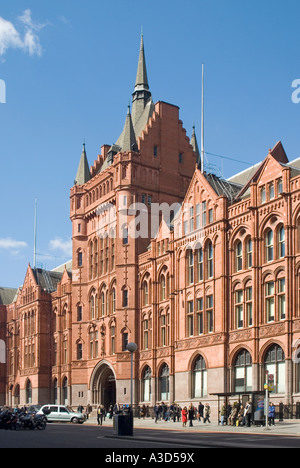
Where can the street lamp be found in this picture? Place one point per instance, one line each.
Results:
(132, 348)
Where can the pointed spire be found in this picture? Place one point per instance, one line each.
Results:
(195, 146)
(128, 142)
(141, 76)
(141, 95)
(83, 173)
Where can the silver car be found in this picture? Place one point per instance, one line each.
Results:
(60, 413)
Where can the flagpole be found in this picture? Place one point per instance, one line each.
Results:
(202, 125)
(35, 229)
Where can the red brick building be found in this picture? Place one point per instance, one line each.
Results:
(212, 299)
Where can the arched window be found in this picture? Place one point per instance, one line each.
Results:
(146, 384)
(243, 372)
(113, 301)
(163, 287)
(190, 259)
(164, 383)
(281, 242)
(92, 305)
(164, 328)
(102, 304)
(200, 264)
(210, 260)
(239, 256)
(199, 376)
(249, 253)
(269, 246)
(146, 293)
(275, 365)
(146, 334)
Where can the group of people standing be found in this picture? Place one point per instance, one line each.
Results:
(186, 414)
(238, 415)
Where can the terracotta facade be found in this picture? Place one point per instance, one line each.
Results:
(212, 299)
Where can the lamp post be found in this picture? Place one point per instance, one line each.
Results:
(132, 348)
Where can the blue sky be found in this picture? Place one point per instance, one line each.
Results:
(70, 65)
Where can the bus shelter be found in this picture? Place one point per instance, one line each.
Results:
(242, 398)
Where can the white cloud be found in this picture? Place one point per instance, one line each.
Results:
(63, 246)
(26, 40)
(12, 244)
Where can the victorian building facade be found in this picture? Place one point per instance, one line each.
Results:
(208, 291)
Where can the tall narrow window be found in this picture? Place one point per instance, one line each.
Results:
(164, 383)
(146, 334)
(239, 256)
(113, 299)
(190, 318)
(163, 330)
(269, 246)
(146, 384)
(163, 288)
(192, 219)
(249, 253)
(281, 242)
(125, 298)
(146, 293)
(200, 324)
(200, 265)
(270, 302)
(263, 195)
(281, 298)
(191, 267)
(210, 313)
(210, 261)
(239, 309)
(113, 340)
(249, 306)
(198, 216)
(204, 221)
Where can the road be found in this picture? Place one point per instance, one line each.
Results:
(86, 436)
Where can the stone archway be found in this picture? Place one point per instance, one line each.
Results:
(103, 385)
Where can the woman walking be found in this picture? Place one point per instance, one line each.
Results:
(184, 416)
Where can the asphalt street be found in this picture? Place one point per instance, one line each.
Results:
(159, 439)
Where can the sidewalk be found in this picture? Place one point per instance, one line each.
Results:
(288, 428)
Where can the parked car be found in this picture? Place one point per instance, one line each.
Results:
(60, 413)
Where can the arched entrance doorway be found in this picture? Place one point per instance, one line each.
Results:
(103, 386)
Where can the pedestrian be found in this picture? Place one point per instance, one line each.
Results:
(247, 414)
(184, 415)
(233, 415)
(272, 414)
(88, 411)
(99, 415)
(223, 415)
(143, 411)
(200, 411)
(191, 414)
(207, 412)
(80, 409)
(240, 417)
(157, 411)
